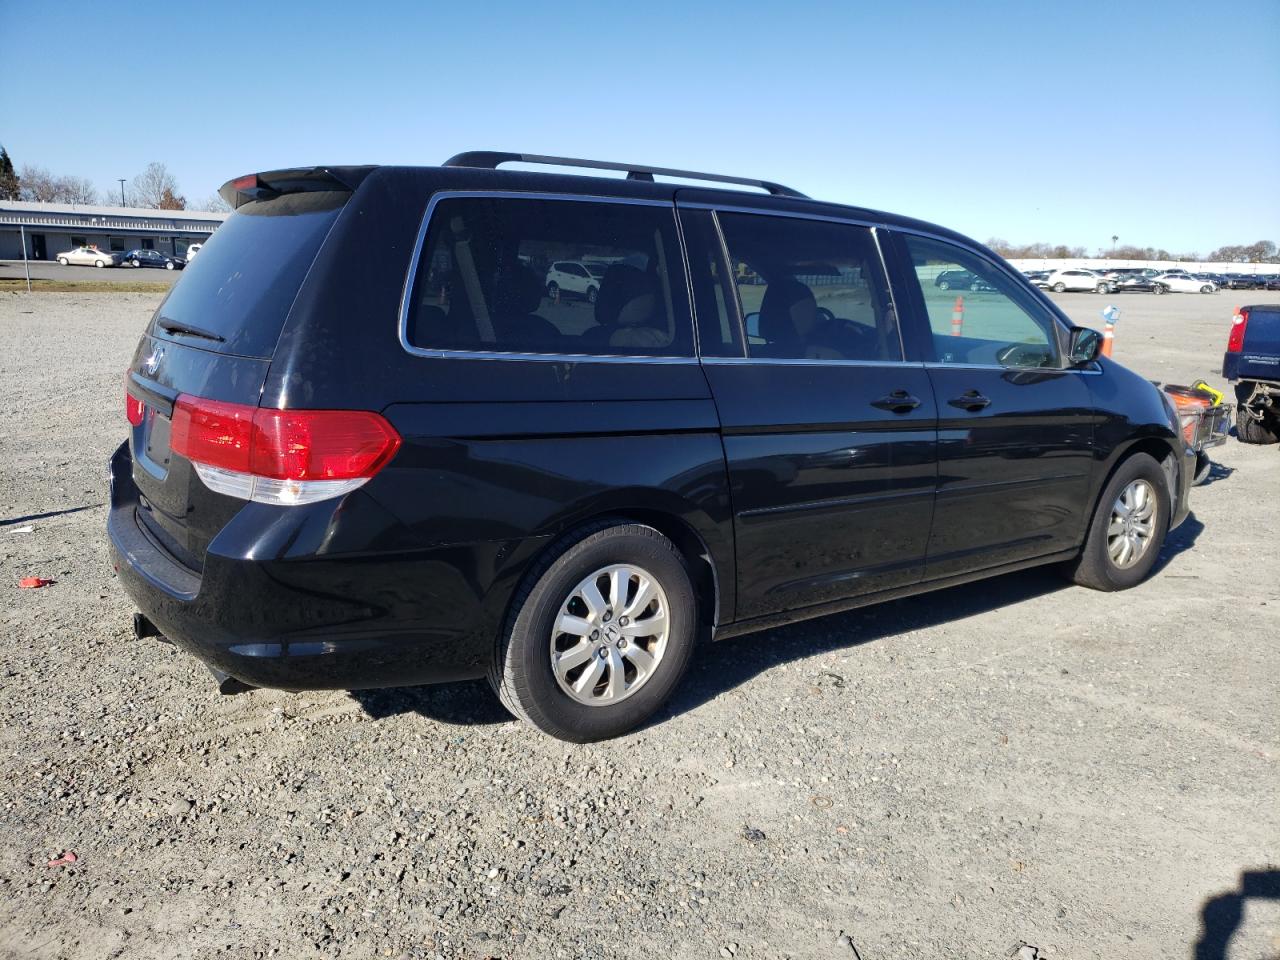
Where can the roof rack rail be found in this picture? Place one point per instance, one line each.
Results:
(490, 159)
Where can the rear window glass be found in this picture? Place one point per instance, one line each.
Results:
(513, 275)
(248, 273)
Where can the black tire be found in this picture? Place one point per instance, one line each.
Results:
(1204, 466)
(944, 285)
(553, 290)
(592, 293)
(1249, 430)
(521, 672)
(1059, 288)
(99, 264)
(136, 263)
(1157, 289)
(168, 265)
(1206, 289)
(1094, 567)
(64, 261)
(1102, 288)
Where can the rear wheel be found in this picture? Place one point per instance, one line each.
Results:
(1206, 289)
(553, 290)
(136, 263)
(600, 635)
(592, 293)
(1249, 430)
(1059, 288)
(168, 265)
(99, 263)
(1128, 528)
(944, 285)
(64, 261)
(1157, 288)
(1102, 288)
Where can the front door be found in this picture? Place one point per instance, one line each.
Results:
(39, 250)
(829, 436)
(1015, 426)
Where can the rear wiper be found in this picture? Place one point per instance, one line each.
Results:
(173, 326)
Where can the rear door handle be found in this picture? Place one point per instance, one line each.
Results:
(897, 402)
(971, 401)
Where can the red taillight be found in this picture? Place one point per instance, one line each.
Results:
(1235, 341)
(133, 407)
(245, 183)
(292, 445)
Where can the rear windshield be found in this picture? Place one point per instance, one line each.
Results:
(241, 286)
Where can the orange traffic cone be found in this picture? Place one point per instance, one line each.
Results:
(957, 318)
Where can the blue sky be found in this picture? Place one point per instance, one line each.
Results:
(1159, 123)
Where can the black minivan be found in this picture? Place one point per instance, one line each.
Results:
(371, 445)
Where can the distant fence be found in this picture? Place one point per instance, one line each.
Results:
(1097, 263)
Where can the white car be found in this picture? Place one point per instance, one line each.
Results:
(193, 250)
(1060, 281)
(1182, 283)
(575, 278)
(88, 257)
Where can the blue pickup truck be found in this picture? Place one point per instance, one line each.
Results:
(1252, 364)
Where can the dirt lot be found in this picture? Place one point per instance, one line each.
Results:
(1013, 762)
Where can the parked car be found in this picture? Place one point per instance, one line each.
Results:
(192, 250)
(1272, 282)
(574, 278)
(88, 257)
(1038, 278)
(154, 258)
(1134, 283)
(1181, 283)
(391, 464)
(1244, 281)
(1078, 279)
(1252, 365)
(959, 280)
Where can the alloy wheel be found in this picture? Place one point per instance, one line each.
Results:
(1130, 532)
(610, 635)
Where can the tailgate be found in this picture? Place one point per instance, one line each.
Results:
(1260, 356)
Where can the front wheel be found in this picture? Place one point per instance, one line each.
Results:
(1102, 288)
(136, 263)
(1059, 288)
(944, 285)
(64, 261)
(553, 291)
(592, 293)
(600, 635)
(1158, 289)
(1206, 289)
(1128, 528)
(169, 265)
(99, 264)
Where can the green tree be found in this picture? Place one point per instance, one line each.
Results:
(10, 185)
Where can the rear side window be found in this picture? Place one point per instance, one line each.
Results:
(515, 275)
(810, 289)
(248, 273)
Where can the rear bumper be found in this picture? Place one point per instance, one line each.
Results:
(300, 621)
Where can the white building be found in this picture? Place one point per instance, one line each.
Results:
(51, 228)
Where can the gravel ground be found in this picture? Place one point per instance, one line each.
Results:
(1012, 768)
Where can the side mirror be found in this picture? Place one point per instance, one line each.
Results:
(1086, 344)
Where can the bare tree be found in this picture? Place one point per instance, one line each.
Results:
(213, 204)
(149, 187)
(40, 185)
(79, 190)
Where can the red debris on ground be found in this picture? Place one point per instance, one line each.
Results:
(33, 583)
(65, 859)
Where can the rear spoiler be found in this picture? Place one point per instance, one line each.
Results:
(264, 186)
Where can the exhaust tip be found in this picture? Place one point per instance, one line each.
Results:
(228, 685)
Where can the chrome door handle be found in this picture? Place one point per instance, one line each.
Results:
(897, 402)
(971, 401)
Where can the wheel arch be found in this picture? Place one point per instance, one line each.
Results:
(1161, 449)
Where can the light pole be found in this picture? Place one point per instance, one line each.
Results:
(121, 179)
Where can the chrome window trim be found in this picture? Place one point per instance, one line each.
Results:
(443, 354)
(942, 365)
(814, 362)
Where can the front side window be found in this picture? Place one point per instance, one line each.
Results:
(810, 289)
(494, 276)
(994, 321)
